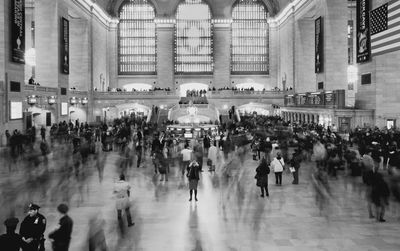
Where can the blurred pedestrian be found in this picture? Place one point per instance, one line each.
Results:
(61, 237)
(262, 172)
(277, 165)
(212, 157)
(295, 164)
(122, 192)
(97, 238)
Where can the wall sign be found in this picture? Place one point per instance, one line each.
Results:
(319, 45)
(363, 32)
(17, 19)
(64, 59)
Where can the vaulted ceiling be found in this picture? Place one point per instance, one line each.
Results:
(219, 8)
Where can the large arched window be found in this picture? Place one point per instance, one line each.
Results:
(193, 38)
(137, 38)
(250, 38)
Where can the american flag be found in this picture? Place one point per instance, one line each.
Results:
(385, 28)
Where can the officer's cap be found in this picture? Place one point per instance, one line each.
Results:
(33, 207)
(11, 222)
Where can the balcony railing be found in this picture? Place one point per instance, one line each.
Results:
(40, 88)
(158, 93)
(245, 93)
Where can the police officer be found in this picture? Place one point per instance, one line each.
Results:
(11, 241)
(32, 229)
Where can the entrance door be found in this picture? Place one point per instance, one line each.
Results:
(344, 124)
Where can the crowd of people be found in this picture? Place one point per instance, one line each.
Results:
(278, 146)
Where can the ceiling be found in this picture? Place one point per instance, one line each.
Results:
(219, 8)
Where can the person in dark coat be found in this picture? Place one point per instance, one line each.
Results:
(295, 163)
(193, 174)
(61, 237)
(262, 172)
(32, 229)
(380, 196)
(11, 241)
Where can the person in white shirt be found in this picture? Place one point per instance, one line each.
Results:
(122, 194)
(212, 156)
(277, 165)
(186, 157)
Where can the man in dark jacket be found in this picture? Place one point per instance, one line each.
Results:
(32, 229)
(62, 235)
(11, 241)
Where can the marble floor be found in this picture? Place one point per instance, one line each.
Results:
(230, 214)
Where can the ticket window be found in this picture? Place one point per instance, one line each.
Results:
(390, 123)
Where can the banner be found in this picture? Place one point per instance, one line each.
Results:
(17, 19)
(64, 59)
(363, 32)
(319, 45)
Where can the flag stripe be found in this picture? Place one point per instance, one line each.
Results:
(383, 44)
(381, 34)
(393, 49)
(385, 21)
(392, 32)
(394, 15)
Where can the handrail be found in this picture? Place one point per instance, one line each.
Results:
(40, 88)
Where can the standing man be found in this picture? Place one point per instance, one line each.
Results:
(61, 237)
(11, 241)
(122, 192)
(32, 229)
(43, 133)
(193, 174)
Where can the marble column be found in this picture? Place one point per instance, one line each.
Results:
(334, 15)
(222, 55)
(165, 56)
(48, 14)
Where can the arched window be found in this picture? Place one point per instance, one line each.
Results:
(250, 38)
(137, 38)
(193, 38)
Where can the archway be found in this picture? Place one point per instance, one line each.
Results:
(251, 108)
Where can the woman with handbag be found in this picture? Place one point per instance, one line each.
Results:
(277, 166)
(262, 172)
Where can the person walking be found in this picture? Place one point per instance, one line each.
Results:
(212, 157)
(186, 157)
(295, 165)
(32, 230)
(193, 174)
(11, 241)
(262, 172)
(122, 192)
(277, 165)
(61, 237)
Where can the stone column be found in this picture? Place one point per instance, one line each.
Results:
(9, 71)
(334, 15)
(48, 14)
(165, 55)
(222, 55)
(112, 56)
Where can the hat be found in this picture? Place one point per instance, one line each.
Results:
(11, 222)
(62, 208)
(33, 207)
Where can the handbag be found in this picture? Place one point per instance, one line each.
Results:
(209, 162)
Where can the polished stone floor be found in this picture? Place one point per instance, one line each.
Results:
(230, 214)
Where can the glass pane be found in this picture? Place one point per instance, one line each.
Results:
(137, 38)
(193, 38)
(250, 38)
